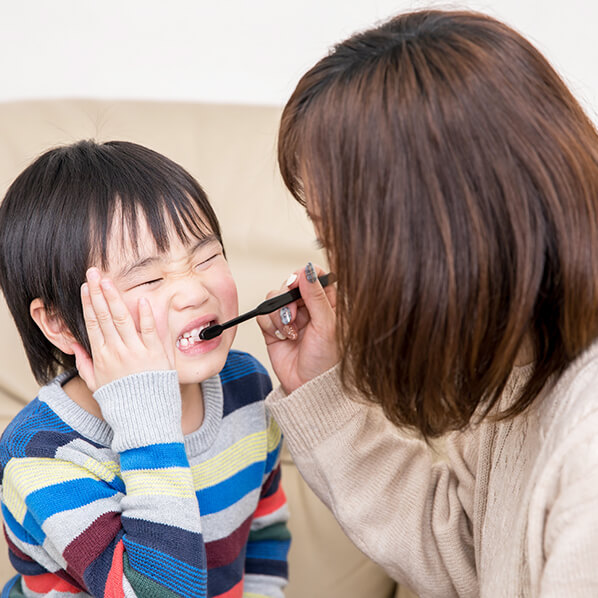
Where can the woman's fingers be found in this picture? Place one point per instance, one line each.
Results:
(288, 322)
(270, 324)
(278, 325)
(287, 328)
(287, 315)
(301, 339)
(315, 298)
(316, 304)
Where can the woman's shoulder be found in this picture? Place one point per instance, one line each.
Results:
(568, 416)
(574, 397)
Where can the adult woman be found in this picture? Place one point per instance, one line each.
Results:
(453, 180)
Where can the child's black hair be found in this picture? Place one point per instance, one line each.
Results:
(55, 221)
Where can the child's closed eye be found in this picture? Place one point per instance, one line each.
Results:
(148, 282)
(205, 263)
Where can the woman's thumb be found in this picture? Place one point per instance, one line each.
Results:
(314, 296)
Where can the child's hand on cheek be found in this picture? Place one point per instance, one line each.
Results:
(117, 348)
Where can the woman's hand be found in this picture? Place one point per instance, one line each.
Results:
(304, 345)
(117, 348)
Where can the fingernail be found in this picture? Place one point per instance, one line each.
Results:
(279, 335)
(285, 315)
(291, 279)
(310, 272)
(93, 274)
(291, 332)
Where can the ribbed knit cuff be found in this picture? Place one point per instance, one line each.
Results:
(142, 409)
(313, 412)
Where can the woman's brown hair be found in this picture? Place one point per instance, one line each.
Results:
(453, 180)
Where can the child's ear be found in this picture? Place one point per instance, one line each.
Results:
(52, 326)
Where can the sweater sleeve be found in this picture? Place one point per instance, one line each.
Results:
(564, 518)
(76, 525)
(405, 509)
(266, 570)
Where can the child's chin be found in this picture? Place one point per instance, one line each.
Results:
(189, 376)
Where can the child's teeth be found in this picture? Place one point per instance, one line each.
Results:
(191, 337)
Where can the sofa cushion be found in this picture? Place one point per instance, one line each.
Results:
(231, 150)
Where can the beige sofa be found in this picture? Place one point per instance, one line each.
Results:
(231, 151)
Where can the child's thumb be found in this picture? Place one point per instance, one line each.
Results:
(84, 365)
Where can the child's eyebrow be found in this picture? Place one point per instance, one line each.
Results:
(149, 260)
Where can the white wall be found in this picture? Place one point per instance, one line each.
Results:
(240, 51)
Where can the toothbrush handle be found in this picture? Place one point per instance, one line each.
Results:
(265, 307)
(274, 303)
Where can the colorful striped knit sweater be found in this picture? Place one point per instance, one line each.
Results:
(131, 507)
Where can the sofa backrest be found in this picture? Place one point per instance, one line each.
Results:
(231, 150)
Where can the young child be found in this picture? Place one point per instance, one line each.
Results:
(117, 481)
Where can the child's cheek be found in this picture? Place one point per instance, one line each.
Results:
(228, 292)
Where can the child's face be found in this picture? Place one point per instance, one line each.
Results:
(189, 286)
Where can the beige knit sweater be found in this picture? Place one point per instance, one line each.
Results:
(512, 509)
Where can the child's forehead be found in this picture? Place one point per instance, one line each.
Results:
(127, 241)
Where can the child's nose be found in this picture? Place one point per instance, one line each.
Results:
(190, 291)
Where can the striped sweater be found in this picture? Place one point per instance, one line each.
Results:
(131, 507)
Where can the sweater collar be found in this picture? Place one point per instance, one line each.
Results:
(98, 431)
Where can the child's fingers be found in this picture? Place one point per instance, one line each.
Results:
(94, 332)
(120, 315)
(147, 325)
(84, 365)
(150, 338)
(100, 307)
(113, 317)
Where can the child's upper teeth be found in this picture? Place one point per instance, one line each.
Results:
(192, 336)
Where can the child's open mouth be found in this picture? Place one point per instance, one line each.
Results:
(190, 338)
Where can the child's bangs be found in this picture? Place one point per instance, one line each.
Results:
(160, 214)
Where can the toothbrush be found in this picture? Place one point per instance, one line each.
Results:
(266, 307)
